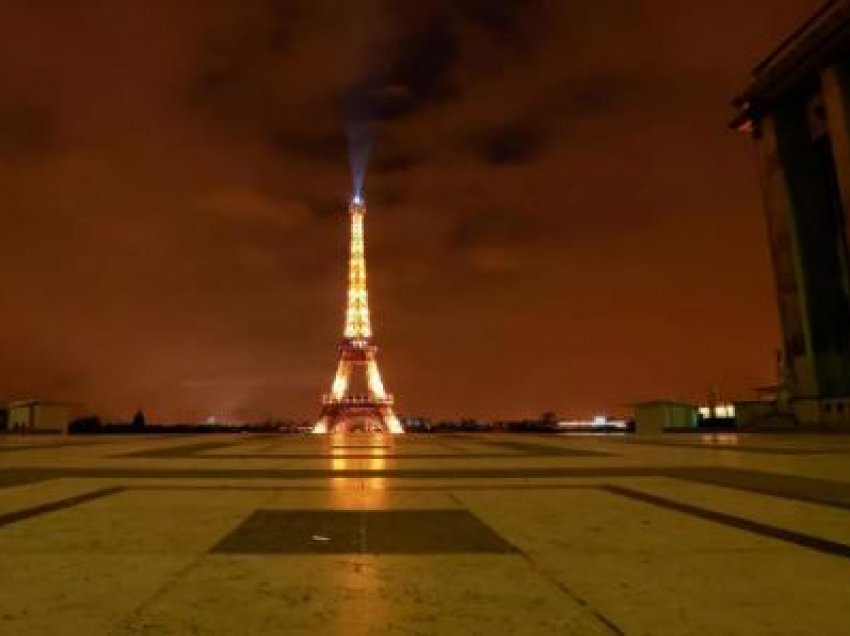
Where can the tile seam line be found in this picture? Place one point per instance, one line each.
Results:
(54, 506)
(777, 533)
(708, 480)
(552, 580)
(121, 625)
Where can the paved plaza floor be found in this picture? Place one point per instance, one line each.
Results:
(449, 534)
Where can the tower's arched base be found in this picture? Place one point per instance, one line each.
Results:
(337, 418)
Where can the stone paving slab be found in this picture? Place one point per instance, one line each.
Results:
(462, 594)
(366, 531)
(579, 535)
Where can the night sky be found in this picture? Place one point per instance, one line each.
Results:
(558, 217)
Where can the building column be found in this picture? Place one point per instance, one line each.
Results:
(787, 261)
(835, 92)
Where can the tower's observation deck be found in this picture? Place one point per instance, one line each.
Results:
(342, 409)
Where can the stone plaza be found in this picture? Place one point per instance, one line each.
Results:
(454, 533)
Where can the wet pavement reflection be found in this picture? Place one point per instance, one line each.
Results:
(362, 452)
(359, 574)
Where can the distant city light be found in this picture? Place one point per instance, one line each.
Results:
(726, 411)
(599, 421)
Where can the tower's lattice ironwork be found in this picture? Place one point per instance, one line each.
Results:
(344, 409)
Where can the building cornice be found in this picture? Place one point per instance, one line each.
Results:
(821, 41)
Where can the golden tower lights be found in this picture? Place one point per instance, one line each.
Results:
(341, 408)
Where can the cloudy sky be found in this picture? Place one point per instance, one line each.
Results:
(558, 218)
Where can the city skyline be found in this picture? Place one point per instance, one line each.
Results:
(547, 232)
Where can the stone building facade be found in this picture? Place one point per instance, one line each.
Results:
(797, 110)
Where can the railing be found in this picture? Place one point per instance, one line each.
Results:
(358, 400)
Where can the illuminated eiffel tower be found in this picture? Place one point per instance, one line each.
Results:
(357, 403)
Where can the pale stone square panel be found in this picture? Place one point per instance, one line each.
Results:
(364, 595)
(79, 593)
(132, 522)
(798, 516)
(658, 571)
(41, 492)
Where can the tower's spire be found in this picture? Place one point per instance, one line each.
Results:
(342, 409)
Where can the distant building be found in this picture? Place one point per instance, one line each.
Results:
(797, 110)
(415, 423)
(655, 417)
(39, 416)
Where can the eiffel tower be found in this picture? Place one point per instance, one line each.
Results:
(358, 400)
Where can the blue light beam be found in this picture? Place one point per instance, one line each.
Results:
(360, 138)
